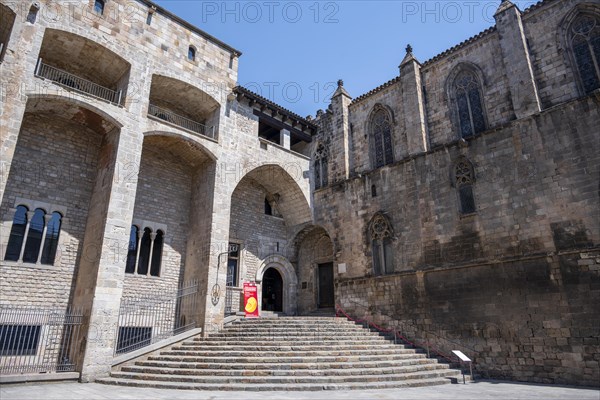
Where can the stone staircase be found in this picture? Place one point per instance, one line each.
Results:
(285, 353)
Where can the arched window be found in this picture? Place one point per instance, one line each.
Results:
(34, 236)
(99, 6)
(585, 41)
(268, 207)
(17, 235)
(157, 248)
(469, 103)
(381, 138)
(145, 247)
(381, 234)
(321, 166)
(463, 179)
(373, 191)
(191, 53)
(51, 240)
(132, 250)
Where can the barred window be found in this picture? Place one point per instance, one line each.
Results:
(469, 103)
(585, 41)
(321, 166)
(381, 233)
(381, 137)
(464, 178)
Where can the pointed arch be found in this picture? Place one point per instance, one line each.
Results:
(465, 91)
(288, 275)
(380, 128)
(580, 39)
(321, 165)
(463, 179)
(380, 234)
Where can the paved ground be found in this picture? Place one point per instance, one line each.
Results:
(482, 390)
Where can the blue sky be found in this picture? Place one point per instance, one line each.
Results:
(295, 51)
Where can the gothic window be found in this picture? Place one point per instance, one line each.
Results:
(585, 41)
(34, 236)
(99, 6)
(321, 166)
(463, 180)
(51, 239)
(381, 137)
(144, 252)
(380, 234)
(469, 103)
(17, 235)
(191, 53)
(233, 264)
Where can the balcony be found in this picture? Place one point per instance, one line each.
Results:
(77, 83)
(181, 121)
(185, 106)
(84, 66)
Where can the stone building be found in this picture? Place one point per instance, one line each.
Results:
(457, 202)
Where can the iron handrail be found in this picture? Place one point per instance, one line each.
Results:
(181, 121)
(398, 335)
(71, 81)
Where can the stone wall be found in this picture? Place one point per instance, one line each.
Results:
(530, 320)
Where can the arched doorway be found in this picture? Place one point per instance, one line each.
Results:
(272, 291)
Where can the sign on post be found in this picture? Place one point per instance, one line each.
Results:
(250, 300)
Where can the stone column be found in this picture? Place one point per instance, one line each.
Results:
(100, 274)
(285, 139)
(517, 60)
(413, 103)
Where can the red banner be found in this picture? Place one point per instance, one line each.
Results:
(250, 300)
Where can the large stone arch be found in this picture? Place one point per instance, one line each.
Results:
(290, 281)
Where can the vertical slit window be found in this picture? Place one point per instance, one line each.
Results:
(51, 239)
(17, 235)
(268, 207)
(34, 237)
(145, 246)
(99, 7)
(157, 253)
(191, 53)
(132, 250)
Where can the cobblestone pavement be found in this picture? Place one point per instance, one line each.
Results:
(481, 390)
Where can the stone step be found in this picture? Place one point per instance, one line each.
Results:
(245, 338)
(281, 342)
(398, 368)
(282, 380)
(276, 387)
(308, 328)
(289, 347)
(297, 359)
(280, 365)
(283, 353)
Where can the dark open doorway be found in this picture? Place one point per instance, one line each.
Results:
(326, 298)
(272, 291)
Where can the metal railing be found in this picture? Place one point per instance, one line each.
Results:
(151, 317)
(397, 334)
(74, 82)
(181, 121)
(34, 340)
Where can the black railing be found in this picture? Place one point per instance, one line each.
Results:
(34, 340)
(429, 340)
(149, 318)
(77, 83)
(181, 121)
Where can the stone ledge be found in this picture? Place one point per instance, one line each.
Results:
(155, 346)
(25, 378)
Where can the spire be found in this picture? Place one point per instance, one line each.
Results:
(504, 5)
(340, 89)
(408, 57)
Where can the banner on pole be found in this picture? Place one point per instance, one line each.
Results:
(250, 300)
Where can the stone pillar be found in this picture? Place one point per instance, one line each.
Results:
(285, 139)
(517, 60)
(413, 103)
(100, 274)
(341, 162)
